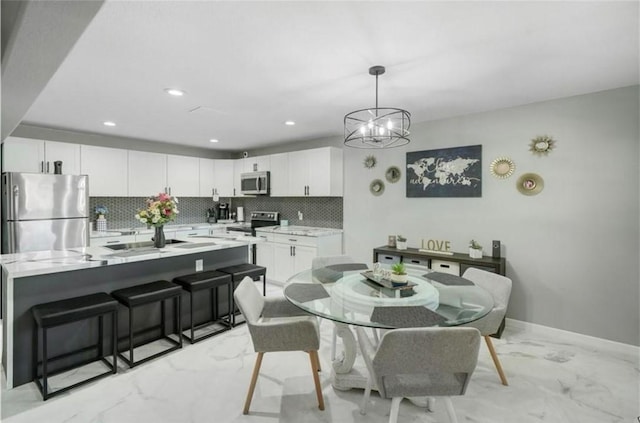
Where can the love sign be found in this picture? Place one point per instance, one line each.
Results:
(436, 245)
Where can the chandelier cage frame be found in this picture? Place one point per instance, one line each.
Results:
(379, 127)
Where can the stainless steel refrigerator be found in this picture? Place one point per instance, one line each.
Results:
(44, 212)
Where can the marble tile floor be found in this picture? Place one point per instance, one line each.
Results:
(551, 381)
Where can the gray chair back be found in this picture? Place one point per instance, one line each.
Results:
(425, 361)
(500, 288)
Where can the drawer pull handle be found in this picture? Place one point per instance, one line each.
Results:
(113, 242)
(192, 234)
(293, 240)
(388, 258)
(415, 261)
(446, 266)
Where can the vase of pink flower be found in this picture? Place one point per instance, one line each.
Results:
(160, 210)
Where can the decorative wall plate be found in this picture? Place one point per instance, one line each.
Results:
(370, 162)
(530, 184)
(502, 167)
(542, 145)
(376, 187)
(393, 174)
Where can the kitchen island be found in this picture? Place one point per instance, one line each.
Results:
(40, 277)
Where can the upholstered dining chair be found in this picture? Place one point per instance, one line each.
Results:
(418, 362)
(335, 262)
(500, 288)
(277, 325)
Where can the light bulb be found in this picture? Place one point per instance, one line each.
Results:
(370, 125)
(389, 124)
(362, 130)
(381, 131)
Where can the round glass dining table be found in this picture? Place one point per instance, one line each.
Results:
(350, 294)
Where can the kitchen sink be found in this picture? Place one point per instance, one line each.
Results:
(197, 245)
(139, 245)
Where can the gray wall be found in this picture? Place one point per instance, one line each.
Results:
(572, 251)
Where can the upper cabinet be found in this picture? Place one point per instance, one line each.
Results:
(152, 173)
(38, 156)
(223, 177)
(206, 178)
(183, 176)
(147, 173)
(316, 172)
(256, 164)
(279, 175)
(107, 170)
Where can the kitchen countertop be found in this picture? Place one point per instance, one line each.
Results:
(300, 230)
(46, 262)
(182, 227)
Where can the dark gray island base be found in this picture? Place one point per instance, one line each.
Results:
(21, 293)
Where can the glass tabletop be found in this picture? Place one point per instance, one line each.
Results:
(349, 294)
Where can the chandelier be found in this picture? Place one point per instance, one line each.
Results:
(379, 127)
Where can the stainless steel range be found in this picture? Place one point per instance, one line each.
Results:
(259, 219)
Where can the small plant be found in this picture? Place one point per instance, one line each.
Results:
(400, 238)
(474, 244)
(398, 269)
(101, 210)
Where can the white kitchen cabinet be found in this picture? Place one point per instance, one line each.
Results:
(107, 169)
(316, 172)
(147, 173)
(206, 177)
(223, 174)
(264, 257)
(285, 255)
(279, 185)
(38, 156)
(183, 176)
(257, 164)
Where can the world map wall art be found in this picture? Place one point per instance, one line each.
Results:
(446, 172)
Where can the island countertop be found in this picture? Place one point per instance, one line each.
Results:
(54, 261)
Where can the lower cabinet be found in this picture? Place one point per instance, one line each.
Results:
(286, 255)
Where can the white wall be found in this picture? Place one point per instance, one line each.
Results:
(572, 251)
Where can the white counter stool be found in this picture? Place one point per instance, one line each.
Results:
(57, 313)
(139, 295)
(210, 280)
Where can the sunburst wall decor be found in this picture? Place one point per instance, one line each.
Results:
(542, 145)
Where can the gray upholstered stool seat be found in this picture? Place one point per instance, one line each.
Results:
(239, 272)
(158, 291)
(57, 313)
(210, 280)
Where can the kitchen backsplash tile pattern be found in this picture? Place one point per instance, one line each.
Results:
(315, 211)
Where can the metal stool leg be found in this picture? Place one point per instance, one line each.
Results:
(191, 315)
(45, 382)
(131, 362)
(114, 340)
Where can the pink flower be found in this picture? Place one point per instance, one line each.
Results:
(163, 197)
(167, 212)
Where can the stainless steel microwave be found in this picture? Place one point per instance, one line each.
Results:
(254, 183)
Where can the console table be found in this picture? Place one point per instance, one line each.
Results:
(414, 256)
(456, 263)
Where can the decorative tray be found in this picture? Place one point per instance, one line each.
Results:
(387, 283)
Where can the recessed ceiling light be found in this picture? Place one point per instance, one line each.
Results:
(289, 123)
(174, 92)
(213, 140)
(108, 123)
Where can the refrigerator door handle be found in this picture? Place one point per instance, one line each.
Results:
(42, 166)
(16, 194)
(48, 167)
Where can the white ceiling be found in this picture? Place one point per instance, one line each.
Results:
(253, 65)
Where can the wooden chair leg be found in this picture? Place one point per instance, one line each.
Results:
(252, 386)
(365, 398)
(450, 410)
(313, 357)
(496, 362)
(395, 409)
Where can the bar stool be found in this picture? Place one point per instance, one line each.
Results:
(152, 292)
(239, 272)
(210, 280)
(58, 313)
